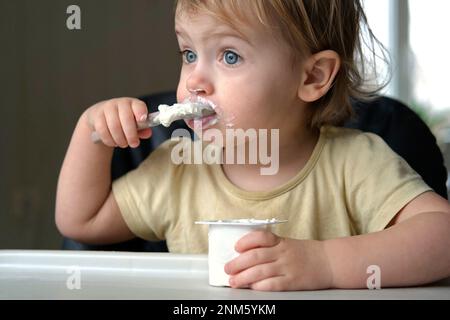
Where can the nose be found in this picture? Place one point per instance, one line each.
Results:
(199, 82)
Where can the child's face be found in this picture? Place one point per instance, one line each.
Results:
(252, 80)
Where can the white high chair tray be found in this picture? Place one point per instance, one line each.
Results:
(30, 274)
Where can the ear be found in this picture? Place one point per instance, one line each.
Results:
(318, 74)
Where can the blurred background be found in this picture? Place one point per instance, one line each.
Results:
(49, 75)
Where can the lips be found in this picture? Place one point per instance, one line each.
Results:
(205, 122)
(204, 100)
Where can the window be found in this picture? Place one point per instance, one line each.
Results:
(429, 25)
(414, 32)
(378, 16)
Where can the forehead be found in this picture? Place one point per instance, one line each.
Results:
(241, 20)
(234, 12)
(245, 19)
(205, 26)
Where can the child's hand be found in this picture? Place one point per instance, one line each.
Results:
(116, 120)
(270, 263)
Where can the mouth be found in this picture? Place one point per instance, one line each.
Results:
(203, 123)
(206, 121)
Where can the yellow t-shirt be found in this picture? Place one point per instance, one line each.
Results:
(352, 184)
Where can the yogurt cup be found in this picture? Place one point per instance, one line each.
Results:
(222, 237)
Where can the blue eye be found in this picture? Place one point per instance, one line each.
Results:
(189, 56)
(231, 58)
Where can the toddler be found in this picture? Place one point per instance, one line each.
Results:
(287, 67)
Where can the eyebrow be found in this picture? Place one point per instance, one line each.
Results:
(216, 34)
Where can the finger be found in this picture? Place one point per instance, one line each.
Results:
(128, 123)
(257, 239)
(140, 110)
(250, 259)
(113, 122)
(255, 274)
(145, 134)
(277, 283)
(102, 129)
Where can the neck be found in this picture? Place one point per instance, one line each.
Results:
(294, 149)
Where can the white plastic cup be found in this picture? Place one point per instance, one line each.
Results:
(222, 238)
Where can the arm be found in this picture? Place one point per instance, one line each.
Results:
(413, 251)
(85, 206)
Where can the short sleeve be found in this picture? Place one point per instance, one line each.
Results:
(143, 195)
(379, 183)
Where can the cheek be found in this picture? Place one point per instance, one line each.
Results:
(275, 91)
(182, 92)
(249, 111)
(262, 101)
(259, 97)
